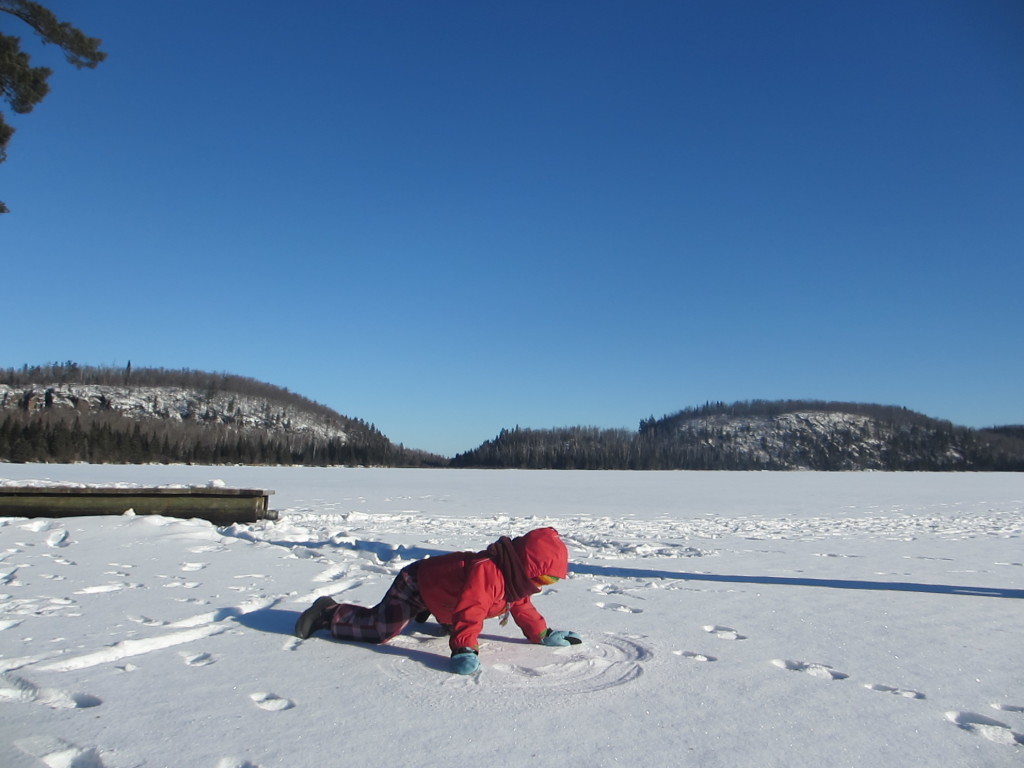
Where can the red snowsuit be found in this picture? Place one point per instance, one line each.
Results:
(464, 588)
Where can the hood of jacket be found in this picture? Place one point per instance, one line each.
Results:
(543, 553)
(522, 559)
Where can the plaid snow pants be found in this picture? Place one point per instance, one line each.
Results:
(379, 624)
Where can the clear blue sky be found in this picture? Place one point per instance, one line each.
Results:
(447, 218)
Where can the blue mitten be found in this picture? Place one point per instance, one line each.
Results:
(464, 661)
(560, 637)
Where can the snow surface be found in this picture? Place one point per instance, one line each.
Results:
(730, 619)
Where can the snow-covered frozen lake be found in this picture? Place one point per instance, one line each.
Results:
(729, 619)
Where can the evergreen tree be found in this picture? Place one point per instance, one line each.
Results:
(23, 86)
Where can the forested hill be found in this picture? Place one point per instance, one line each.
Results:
(65, 413)
(763, 435)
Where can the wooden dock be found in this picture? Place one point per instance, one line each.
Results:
(221, 506)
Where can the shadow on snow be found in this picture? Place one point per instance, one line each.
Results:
(611, 572)
(387, 552)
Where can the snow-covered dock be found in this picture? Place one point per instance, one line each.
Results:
(219, 505)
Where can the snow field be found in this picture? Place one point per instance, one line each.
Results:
(840, 620)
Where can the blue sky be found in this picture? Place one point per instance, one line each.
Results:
(446, 218)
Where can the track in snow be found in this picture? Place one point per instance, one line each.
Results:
(601, 662)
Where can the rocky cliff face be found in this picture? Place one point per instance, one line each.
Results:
(175, 404)
(825, 440)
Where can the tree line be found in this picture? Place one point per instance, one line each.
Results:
(738, 436)
(108, 437)
(749, 435)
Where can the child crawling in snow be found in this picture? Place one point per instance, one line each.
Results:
(460, 589)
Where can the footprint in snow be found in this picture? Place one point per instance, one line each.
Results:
(724, 633)
(271, 702)
(101, 588)
(607, 589)
(334, 573)
(618, 607)
(16, 689)
(177, 582)
(198, 659)
(207, 548)
(895, 691)
(835, 555)
(234, 762)
(57, 753)
(986, 727)
(58, 538)
(695, 656)
(38, 525)
(1007, 707)
(824, 671)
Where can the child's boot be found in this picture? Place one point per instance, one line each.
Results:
(316, 617)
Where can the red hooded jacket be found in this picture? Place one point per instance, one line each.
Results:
(464, 588)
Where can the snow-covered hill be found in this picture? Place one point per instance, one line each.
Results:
(836, 437)
(200, 417)
(818, 440)
(177, 404)
(776, 435)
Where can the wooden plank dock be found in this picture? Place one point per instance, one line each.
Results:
(221, 506)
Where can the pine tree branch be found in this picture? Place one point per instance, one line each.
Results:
(79, 49)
